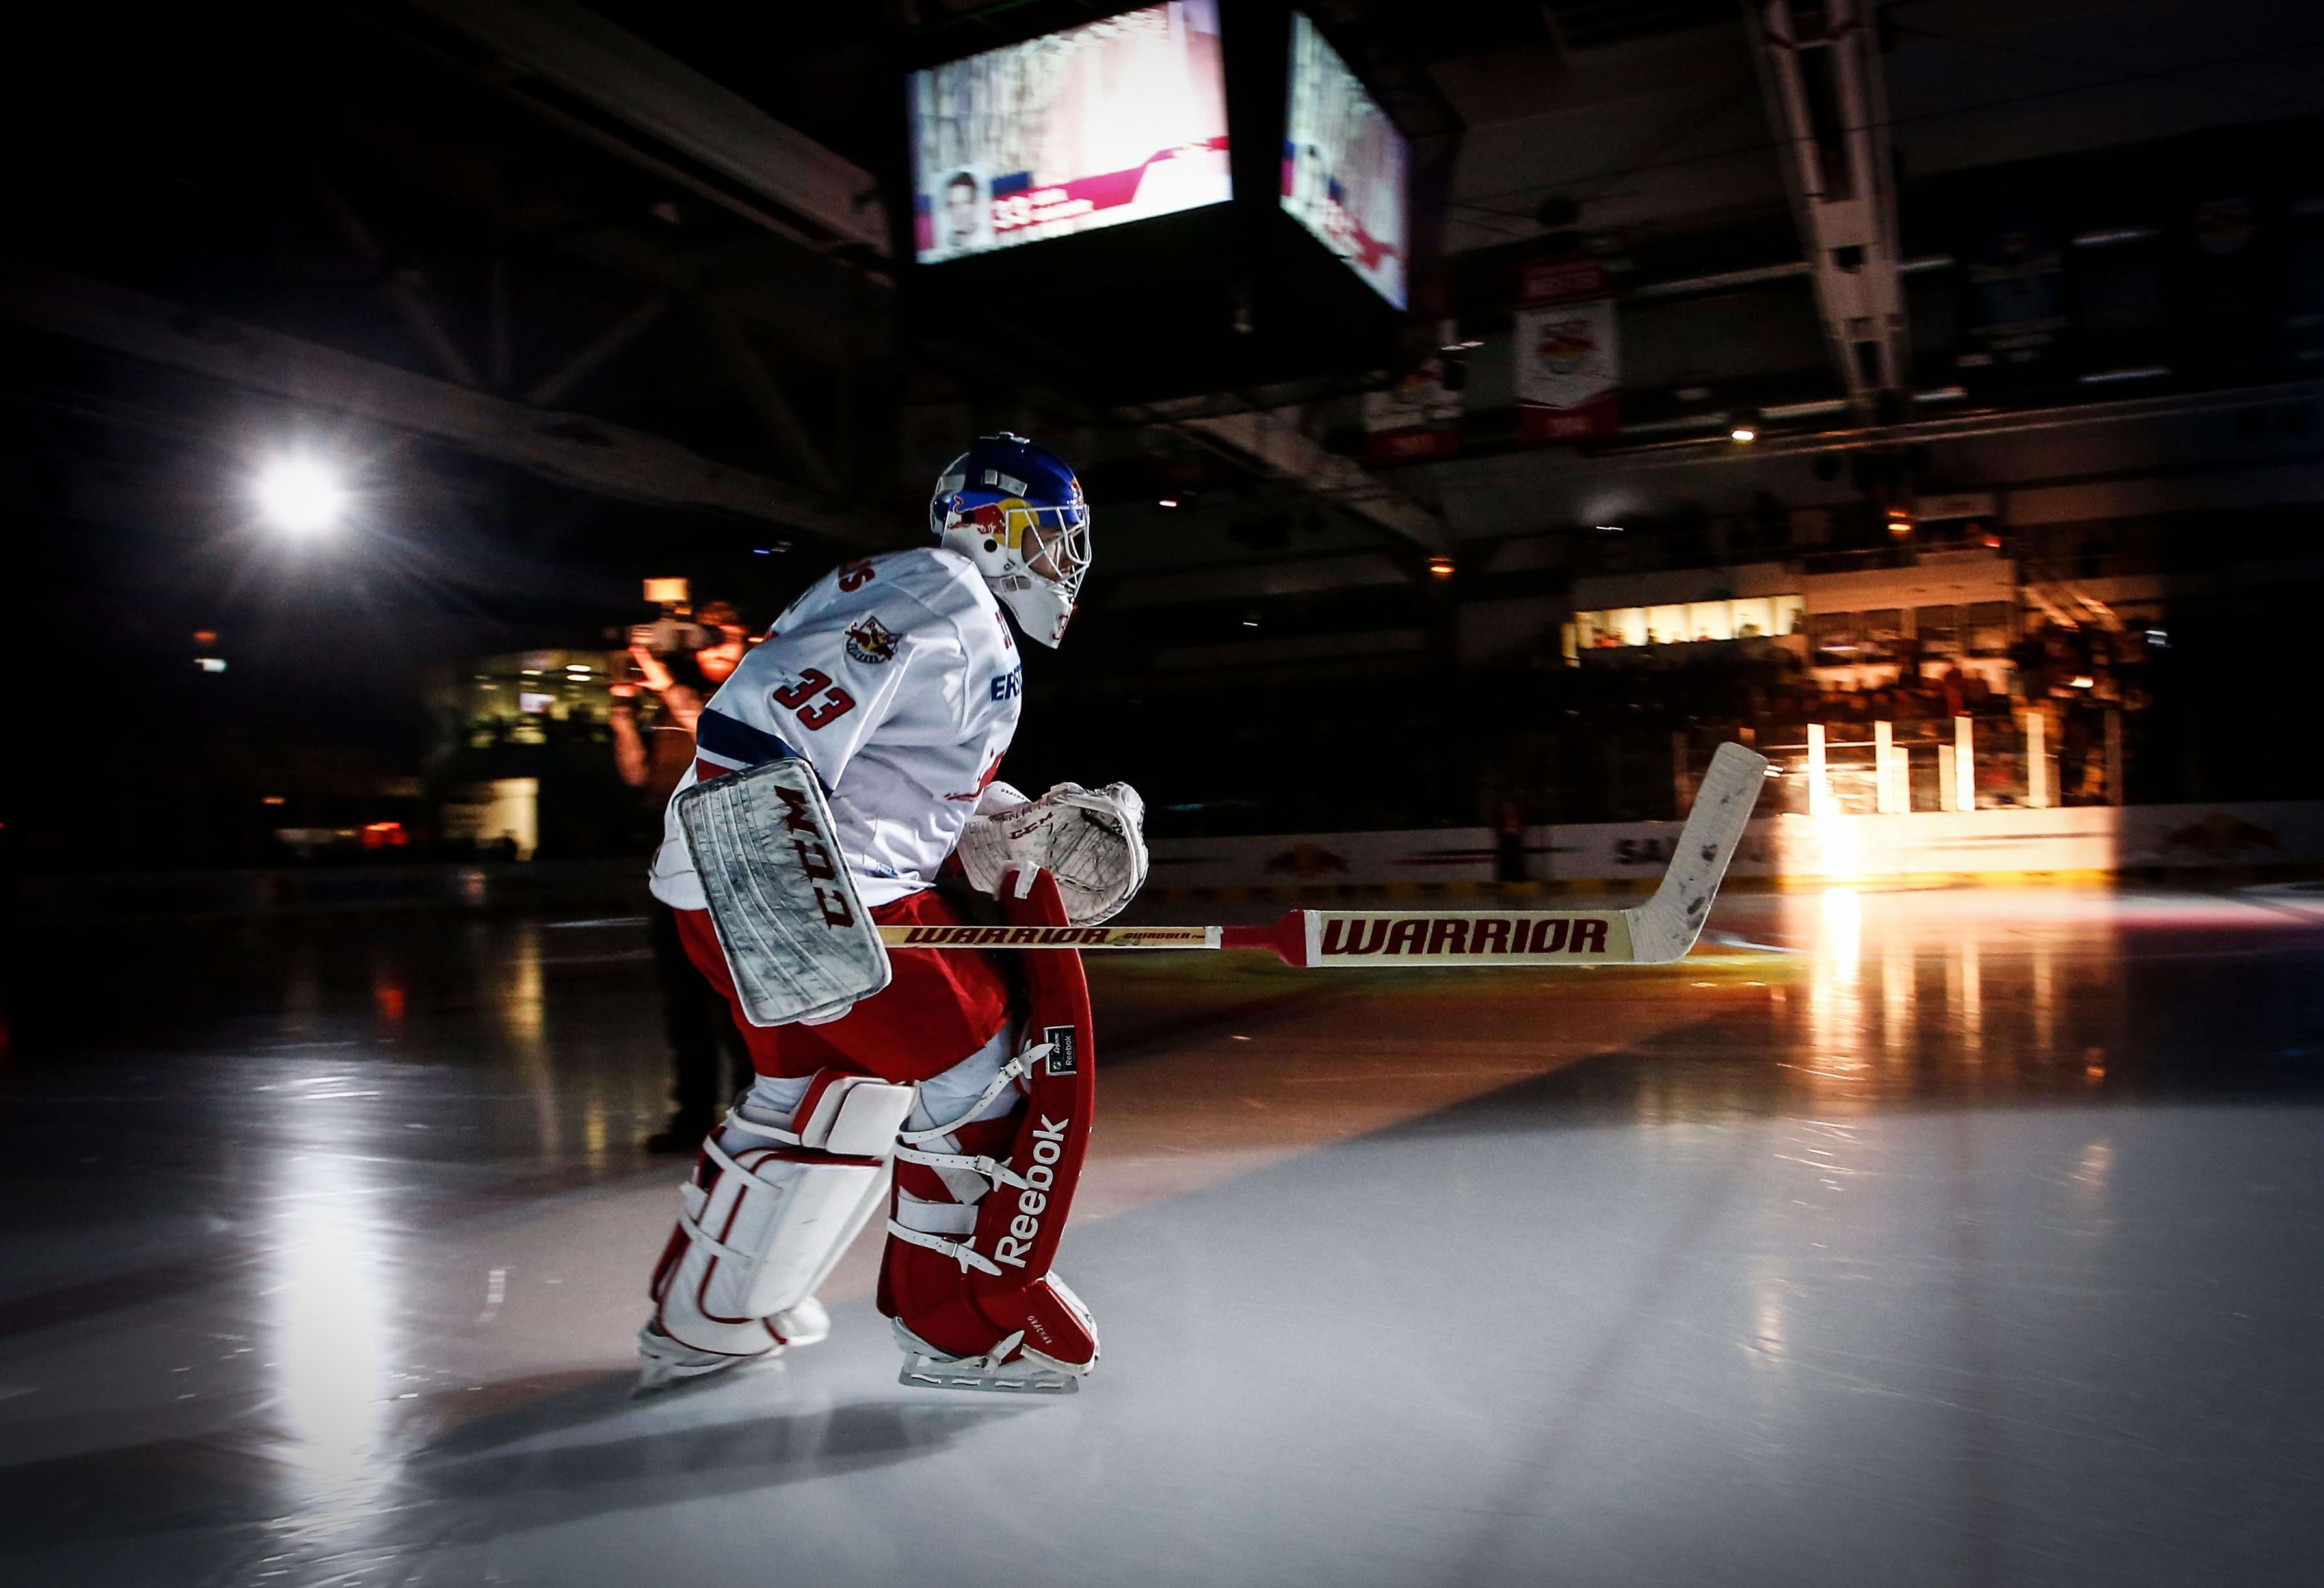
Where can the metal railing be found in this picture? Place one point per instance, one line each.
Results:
(1960, 763)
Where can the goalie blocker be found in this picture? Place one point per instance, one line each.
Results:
(798, 944)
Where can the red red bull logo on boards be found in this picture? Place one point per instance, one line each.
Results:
(1451, 939)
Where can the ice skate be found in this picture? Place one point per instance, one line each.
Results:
(663, 1361)
(926, 1368)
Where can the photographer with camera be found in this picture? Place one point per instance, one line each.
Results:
(708, 1063)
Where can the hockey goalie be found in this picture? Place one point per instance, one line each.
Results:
(851, 755)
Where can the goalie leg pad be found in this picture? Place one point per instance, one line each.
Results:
(980, 1201)
(770, 1211)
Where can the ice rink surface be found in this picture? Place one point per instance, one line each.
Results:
(1951, 1237)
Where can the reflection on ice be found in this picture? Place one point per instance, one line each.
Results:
(2045, 1001)
(1842, 943)
(333, 1343)
(1898, 967)
(1836, 1032)
(521, 1002)
(2089, 1177)
(1968, 1005)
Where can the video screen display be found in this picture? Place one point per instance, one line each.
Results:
(1345, 164)
(1110, 122)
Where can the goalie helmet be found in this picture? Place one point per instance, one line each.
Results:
(1015, 511)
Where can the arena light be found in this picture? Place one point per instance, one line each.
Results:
(301, 496)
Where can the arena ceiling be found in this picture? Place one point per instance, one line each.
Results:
(638, 251)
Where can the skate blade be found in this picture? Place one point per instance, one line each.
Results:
(660, 1366)
(928, 1372)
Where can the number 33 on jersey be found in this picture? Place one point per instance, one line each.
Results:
(897, 679)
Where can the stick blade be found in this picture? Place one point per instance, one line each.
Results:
(1664, 927)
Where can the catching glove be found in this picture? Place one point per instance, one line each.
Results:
(1092, 840)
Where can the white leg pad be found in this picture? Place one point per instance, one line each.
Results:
(777, 1219)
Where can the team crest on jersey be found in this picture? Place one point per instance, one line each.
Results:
(871, 641)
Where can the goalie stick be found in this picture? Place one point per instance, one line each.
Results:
(1661, 930)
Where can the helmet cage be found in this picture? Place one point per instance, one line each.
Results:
(1015, 511)
(1051, 544)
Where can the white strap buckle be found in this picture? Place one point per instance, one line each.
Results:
(993, 1170)
(959, 1251)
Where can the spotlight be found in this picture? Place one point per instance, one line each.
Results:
(1166, 501)
(301, 496)
(1441, 566)
(1744, 427)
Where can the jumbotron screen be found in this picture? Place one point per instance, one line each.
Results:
(1110, 122)
(1345, 164)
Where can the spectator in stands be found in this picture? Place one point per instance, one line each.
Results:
(1954, 686)
(708, 1062)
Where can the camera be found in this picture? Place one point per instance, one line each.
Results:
(671, 636)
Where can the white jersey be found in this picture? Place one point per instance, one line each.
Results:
(897, 680)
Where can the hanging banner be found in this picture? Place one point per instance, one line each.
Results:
(1568, 363)
(2017, 298)
(1414, 419)
(2230, 302)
